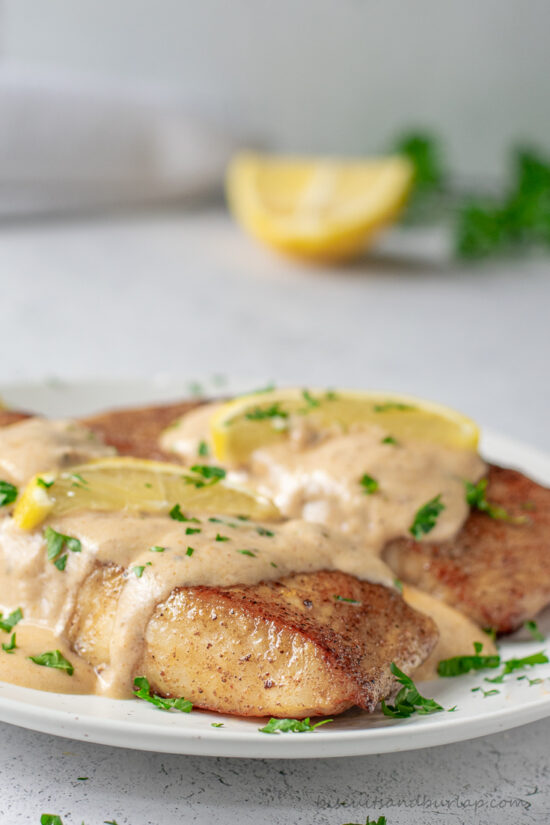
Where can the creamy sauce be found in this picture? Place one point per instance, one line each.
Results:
(314, 478)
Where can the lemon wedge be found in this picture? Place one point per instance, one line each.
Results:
(137, 485)
(239, 427)
(317, 208)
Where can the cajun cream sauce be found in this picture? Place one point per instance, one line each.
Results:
(332, 525)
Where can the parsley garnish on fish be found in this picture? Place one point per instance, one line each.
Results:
(139, 568)
(56, 543)
(42, 482)
(263, 531)
(261, 414)
(477, 499)
(156, 548)
(247, 553)
(389, 439)
(190, 531)
(206, 475)
(142, 690)
(348, 601)
(10, 646)
(510, 665)
(398, 584)
(177, 515)
(426, 517)
(53, 658)
(310, 400)
(189, 551)
(292, 725)
(533, 629)
(203, 449)
(458, 665)
(369, 484)
(8, 623)
(408, 700)
(219, 537)
(8, 493)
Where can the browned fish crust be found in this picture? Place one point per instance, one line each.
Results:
(286, 648)
(136, 431)
(496, 572)
(8, 417)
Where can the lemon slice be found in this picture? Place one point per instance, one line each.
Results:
(317, 208)
(243, 425)
(136, 485)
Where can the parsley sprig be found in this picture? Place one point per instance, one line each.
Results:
(408, 700)
(10, 646)
(142, 690)
(8, 623)
(458, 665)
(292, 725)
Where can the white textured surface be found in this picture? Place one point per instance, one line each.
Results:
(190, 296)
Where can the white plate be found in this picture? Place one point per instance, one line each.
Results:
(135, 724)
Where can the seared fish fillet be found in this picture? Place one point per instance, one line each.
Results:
(495, 572)
(276, 649)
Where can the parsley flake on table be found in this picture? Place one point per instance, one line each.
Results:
(7, 624)
(292, 725)
(477, 499)
(142, 690)
(56, 543)
(459, 665)
(426, 517)
(216, 724)
(369, 484)
(11, 645)
(486, 693)
(380, 821)
(55, 659)
(408, 700)
(50, 819)
(8, 493)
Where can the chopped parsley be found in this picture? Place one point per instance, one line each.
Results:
(50, 819)
(310, 400)
(138, 569)
(156, 548)
(369, 484)
(261, 414)
(216, 724)
(408, 700)
(389, 406)
(292, 725)
(531, 681)
(247, 553)
(398, 584)
(458, 665)
(56, 543)
(142, 690)
(219, 537)
(203, 449)
(486, 693)
(263, 531)
(7, 624)
(190, 531)
(389, 439)
(177, 515)
(53, 658)
(511, 665)
(206, 475)
(189, 551)
(533, 629)
(267, 388)
(10, 646)
(426, 517)
(348, 601)
(380, 821)
(8, 493)
(42, 482)
(477, 499)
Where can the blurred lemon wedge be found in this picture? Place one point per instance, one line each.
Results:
(136, 485)
(239, 427)
(317, 208)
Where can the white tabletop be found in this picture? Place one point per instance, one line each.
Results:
(188, 295)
